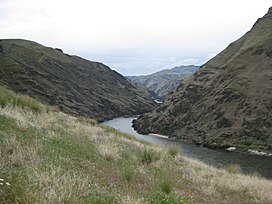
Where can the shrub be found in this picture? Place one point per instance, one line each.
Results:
(148, 156)
(234, 169)
(247, 143)
(173, 151)
(166, 131)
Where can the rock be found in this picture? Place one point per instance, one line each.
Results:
(231, 148)
(257, 152)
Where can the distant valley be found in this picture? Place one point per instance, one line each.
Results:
(161, 83)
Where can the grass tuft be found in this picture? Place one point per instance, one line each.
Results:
(173, 151)
(149, 155)
(162, 198)
(128, 171)
(166, 185)
(234, 169)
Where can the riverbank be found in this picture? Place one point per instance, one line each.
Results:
(51, 157)
(218, 157)
(233, 149)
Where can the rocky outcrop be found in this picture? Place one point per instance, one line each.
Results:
(228, 102)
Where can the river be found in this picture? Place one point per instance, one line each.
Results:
(262, 165)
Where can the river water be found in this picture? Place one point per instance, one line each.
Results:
(262, 165)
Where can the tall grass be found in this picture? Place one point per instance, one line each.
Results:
(128, 171)
(166, 184)
(173, 151)
(149, 155)
(234, 169)
(51, 157)
(162, 198)
(9, 97)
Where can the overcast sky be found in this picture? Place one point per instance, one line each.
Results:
(133, 37)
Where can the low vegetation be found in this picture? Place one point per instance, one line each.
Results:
(50, 157)
(234, 168)
(173, 151)
(149, 155)
(9, 97)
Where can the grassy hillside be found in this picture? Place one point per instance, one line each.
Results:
(77, 86)
(161, 83)
(50, 157)
(228, 101)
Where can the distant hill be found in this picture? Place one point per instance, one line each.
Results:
(228, 102)
(163, 82)
(75, 85)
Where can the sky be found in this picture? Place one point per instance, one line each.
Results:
(133, 37)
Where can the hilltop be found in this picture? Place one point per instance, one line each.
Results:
(73, 84)
(228, 101)
(161, 83)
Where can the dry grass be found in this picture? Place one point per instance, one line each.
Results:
(57, 186)
(51, 157)
(221, 185)
(20, 153)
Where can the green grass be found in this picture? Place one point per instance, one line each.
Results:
(173, 151)
(166, 185)
(162, 198)
(8, 97)
(128, 171)
(100, 199)
(149, 155)
(51, 157)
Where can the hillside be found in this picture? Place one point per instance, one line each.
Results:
(77, 86)
(51, 157)
(161, 83)
(228, 102)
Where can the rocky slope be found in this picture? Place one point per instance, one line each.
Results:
(160, 84)
(75, 85)
(228, 102)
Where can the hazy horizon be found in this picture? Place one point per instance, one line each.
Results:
(133, 37)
